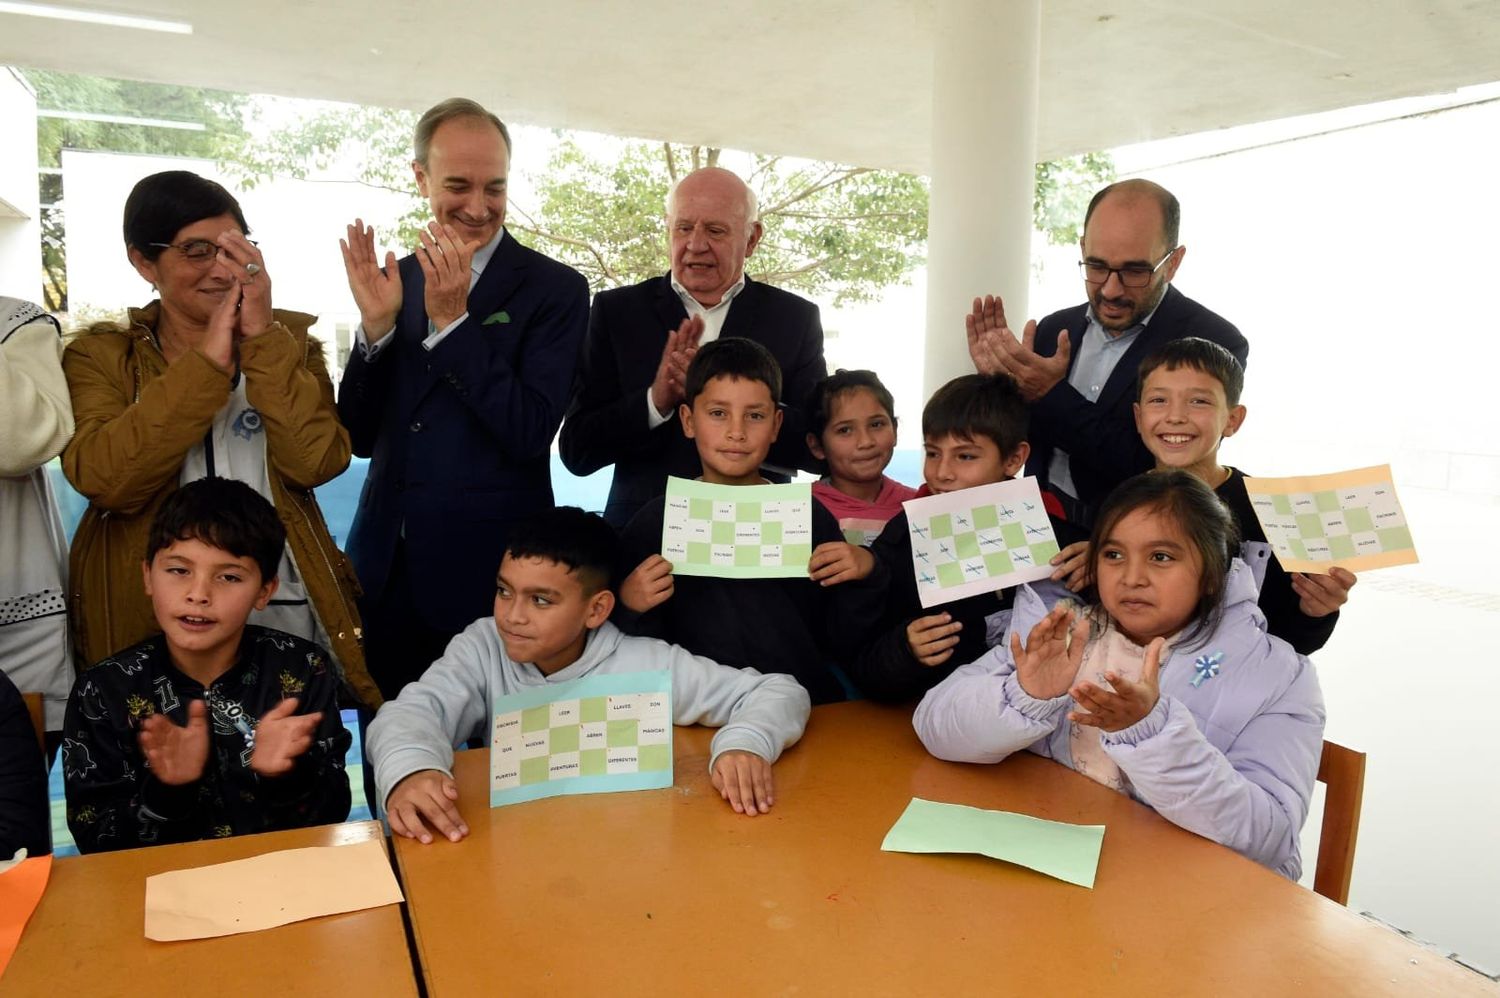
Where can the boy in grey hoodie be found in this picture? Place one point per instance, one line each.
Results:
(551, 625)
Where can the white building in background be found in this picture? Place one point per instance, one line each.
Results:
(20, 209)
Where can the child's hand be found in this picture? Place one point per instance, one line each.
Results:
(1128, 704)
(932, 639)
(426, 795)
(744, 780)
(1323, 594)
(281, 737)
(176, 755)
(1048, 664)
(1072, 566)
(648, 586)
(833, 562)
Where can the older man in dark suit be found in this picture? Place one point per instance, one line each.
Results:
(464, 359)
(1077, 367)
(642, 337)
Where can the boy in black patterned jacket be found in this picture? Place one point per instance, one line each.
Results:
(213, 727)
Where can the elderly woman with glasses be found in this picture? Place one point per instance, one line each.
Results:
(207, 380)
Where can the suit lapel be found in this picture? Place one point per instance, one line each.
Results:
(743, 312)
(499, 280)
(669, 308)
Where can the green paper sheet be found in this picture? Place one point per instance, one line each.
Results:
(1067, 852)
(737, 531)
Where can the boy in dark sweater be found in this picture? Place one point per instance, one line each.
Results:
(1188, 401)
(211, 728)
(792, 625)
(973, 433)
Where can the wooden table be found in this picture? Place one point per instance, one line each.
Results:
(670, 892)
(87, 936)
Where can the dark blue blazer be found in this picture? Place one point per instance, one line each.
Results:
(628, 328)
(459, 437)
(1103, 446)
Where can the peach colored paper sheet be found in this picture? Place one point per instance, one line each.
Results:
(1352, 519)
(248, 895)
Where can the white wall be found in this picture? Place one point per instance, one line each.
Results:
(20, 228)
(297, 224)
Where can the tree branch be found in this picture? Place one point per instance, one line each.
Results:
(532, 229)
(783, 275)
(830, 179)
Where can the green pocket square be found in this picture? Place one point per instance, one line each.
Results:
(497, 318)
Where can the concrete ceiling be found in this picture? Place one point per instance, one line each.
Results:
(829, 79)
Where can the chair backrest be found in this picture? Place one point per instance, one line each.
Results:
(34, 708)
(1343, 770)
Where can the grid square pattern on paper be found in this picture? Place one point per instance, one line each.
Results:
(758, 531)
(1335, 525)
(985, 544)
(591, 736)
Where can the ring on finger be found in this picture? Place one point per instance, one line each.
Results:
(252, 269)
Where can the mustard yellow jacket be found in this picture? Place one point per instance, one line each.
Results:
(137, 418)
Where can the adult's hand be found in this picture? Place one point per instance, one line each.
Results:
(668, 388)
(984, 321)
(240, 256)
(217, 343)
(995, 349)
(445, 260)
(376, 290)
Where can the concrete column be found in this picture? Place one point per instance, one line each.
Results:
(984, 107)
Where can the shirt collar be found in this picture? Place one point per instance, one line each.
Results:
(481, 257)
(1094, 321)
(692, 304)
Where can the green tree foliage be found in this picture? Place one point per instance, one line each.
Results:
(830, 230)
(1063, 190)
(221, 138)
(373, 142)
(844, 232)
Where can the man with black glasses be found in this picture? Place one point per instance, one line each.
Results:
(1077, 367)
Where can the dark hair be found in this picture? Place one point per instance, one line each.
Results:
(987, 405)
(736, 358)
(1171, 211)
(583, 542)
(842, 382)
(1200, 355)
(163, 204)
(449, 110)
(1204, 520)
(223, 513)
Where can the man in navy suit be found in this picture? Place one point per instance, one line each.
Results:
(463, 363)
(642, 337)
(1077, 367)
